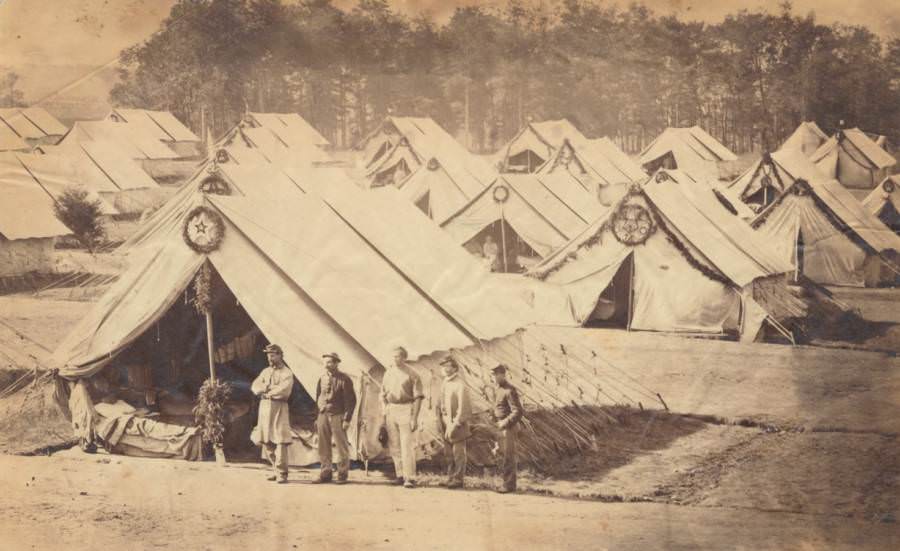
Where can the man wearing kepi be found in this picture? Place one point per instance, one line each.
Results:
(336, 401)
(402, 394)
(273, 427)
(453, 413)
(507, 412)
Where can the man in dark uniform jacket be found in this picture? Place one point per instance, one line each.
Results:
(507, 412)
(336, 401)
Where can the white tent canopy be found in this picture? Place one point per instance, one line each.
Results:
(773, 173)
(541, 209)
(691, 150)
(827, 234)
(807, 138)
(853, 159)
(535, 144)
(160, 124)
(599, 165)
(691, 262)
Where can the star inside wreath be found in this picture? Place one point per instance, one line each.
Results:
(632, 224)
(203, 230)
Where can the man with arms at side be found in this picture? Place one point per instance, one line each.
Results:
(401, 395)
(336, 402)
(453, 413)
(507, 412)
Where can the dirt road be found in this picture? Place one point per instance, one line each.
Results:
(126, 503)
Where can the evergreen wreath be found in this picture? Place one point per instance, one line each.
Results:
(215, 231)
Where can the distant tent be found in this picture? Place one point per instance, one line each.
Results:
(400, 145)
(828, 235)
(339, 276)
(666, 259)
(884, 202)
(291, 128)
(773, 173)
(133, 138)
(535, 144)
(28, 224)
(102, 167)
(691, 150)
(33, 125)
(528, 215)
(163, 126)
(853, 159)
(10, 141)
(807, 138)
(434, 189)
(599, 165)
(250, 143)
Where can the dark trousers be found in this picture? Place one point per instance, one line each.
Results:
(330, 429)
(456, 455)
(508, 462)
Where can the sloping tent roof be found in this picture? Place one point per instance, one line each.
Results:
(671, 293)
(838, 231)
(693, 149)
(10, 141)
(598, 164)
(251, 145)
(783, 168)
(26, 209)
(433, 185)
(291, 128)
(807, 138)
(57, 174)
(31, 122)
(426, 140)
(129, 137)
(531, 207)
(542, 138)
(887, 193)
(160, 124)
(865, 151)
(355, 281)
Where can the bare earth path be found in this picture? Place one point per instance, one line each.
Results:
(125, 503)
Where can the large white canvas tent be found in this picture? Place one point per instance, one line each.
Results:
(853, 159)
(829, 236)
(807, 138)
(163, 126)
(339, 276)
(599, 165)
(32, 125)
(401, 145)
(535, 144)
(884, 202)
(529, 215)
(666, 259)
(28, 224)
(773, 173)
(691, 150)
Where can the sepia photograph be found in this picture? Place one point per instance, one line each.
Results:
(494, 275)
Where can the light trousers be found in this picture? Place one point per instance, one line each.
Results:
(401, 439)
(276, 454)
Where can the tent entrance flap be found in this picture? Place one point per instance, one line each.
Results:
(509, 245)
(614, 305)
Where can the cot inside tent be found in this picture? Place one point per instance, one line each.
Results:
(828, 235)
(807, 138)
(665, 259)
(884, 202)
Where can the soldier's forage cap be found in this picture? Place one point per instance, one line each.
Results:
(499, 368)
(333, 355)
(449, 361)
(273, 348)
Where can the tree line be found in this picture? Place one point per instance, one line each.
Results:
(626, 73)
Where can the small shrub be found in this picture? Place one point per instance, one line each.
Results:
(82, 216)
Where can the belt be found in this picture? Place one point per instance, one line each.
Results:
(406, 403)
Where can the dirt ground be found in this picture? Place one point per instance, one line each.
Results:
(768, 447)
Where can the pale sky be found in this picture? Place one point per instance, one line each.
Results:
(92, 32)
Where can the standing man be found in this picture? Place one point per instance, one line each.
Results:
(401, 395)
(453, 413)
(491, 251)
(273, 428)
(336, 401)
(507, 413)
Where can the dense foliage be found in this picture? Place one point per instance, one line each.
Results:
(625, 73)
(82, 215)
